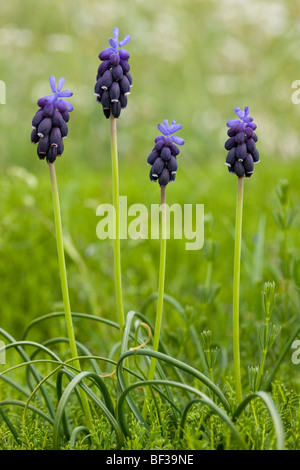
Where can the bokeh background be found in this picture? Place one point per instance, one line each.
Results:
(192, 61)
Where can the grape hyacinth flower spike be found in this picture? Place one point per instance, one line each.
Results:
(242, 154)
(241, 145)
(112, 87)
(113, 81)
(50, 122)
(163, 158)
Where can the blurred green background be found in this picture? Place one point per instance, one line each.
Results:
(192, 61)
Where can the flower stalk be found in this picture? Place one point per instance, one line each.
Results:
(161, 282)
(161, 286)
(163, 162)
(64, 287)
(116, 203)
(241, 157)
(112, 87)
(236, 288)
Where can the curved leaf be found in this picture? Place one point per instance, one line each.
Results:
(278, 426)
(202, 398)
(65, 397)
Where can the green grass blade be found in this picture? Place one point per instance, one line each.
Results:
(76, 381)
(81, 348)
(176, 364)
(15, 385)
(9, 423)
(168, 298)
(277, 422)
(55, 315)
(34, 372)
(76, 432)
(202, 397)
(23, 404)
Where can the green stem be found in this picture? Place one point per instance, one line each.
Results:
(261, 370)
(285, 267)
(208, 274)
(161, 283)
(236, 288)
(64, 286)
(264, 356)
(116, 203)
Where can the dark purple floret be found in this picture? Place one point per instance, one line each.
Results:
(165, 154)
(57, 119)
(113, 77)
(103, 67)
(44, 127)
(241, 152)
(43, 146)
(125, 65)
(34, 136)
(241, 144)
(158, 166)
(164, 177)
(123, 101)
(51, 154)
(48, 110)
(116, 109)
(50, 122)
(114, 92)
(117, 72)
(129, 77)
(55, 136)
(115, 59)
(163, 158)
(64, 129)
(159, 145)
(39, 116)
(152, 157)
(66, 116)
(105, 99)
(124, 85)
(104, 82)
(172, 165)
(152, 176)
(248, 163)
(124, 55)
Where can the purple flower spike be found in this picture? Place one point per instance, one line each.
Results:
(241, 144)
(113, 70)
(50, 121)
(163, 158)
